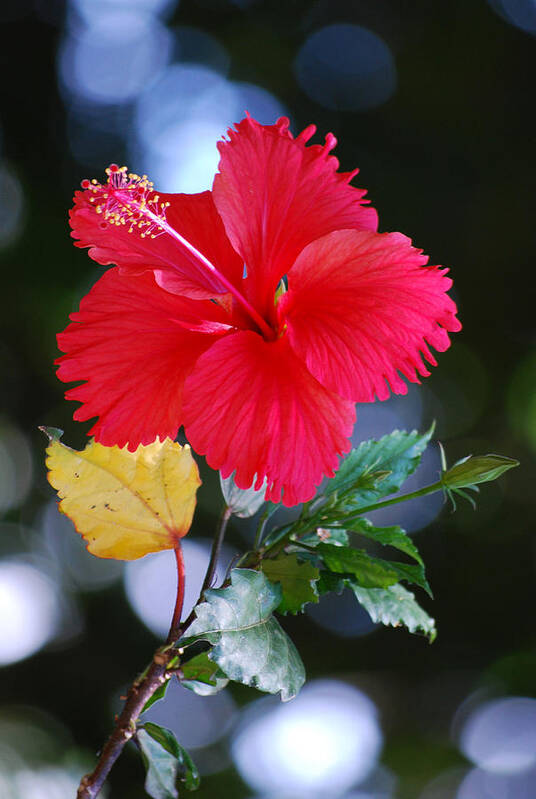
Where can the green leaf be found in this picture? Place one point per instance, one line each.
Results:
(168, 764)
(158, 694)
(412, 574)
(387, 536)
(370, 572)
(312, 539)
(476, 469)
(241, 502)
(297, 581)
(329, 582)
(248, 644)
(203, 676)
(334, 535)
(378, 468)
(394, 606)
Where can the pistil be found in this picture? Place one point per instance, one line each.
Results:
(128, 199)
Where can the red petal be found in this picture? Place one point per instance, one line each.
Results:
(362, 307)
(252, 406)
(194, 216)
(276, 195)
(134, 345)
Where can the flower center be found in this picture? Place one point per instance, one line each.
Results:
(128, 199)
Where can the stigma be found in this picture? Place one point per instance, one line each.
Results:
(128, 199)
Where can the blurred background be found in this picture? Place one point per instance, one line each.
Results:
(434, 102)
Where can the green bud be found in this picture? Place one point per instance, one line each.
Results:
(476, 469)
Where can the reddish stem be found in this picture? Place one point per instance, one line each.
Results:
(157, 674)
(181, 582)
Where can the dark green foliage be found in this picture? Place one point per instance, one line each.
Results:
(297, 581)
(168, 765)
(249, 646)
(378, 468)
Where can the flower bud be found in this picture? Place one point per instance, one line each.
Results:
(476, 469)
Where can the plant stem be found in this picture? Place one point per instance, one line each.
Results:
(156, 675)
(211, 569)
(305, 525)
(174, 630)
(421, 492)
(216, 549)
(139, 693)
(260, 528)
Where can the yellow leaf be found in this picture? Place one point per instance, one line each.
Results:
(125, 504)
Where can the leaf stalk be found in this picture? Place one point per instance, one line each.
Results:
(174, 630)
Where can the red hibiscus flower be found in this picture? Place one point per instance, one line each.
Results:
(194, 326)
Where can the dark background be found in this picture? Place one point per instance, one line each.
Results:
(446, 151)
